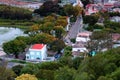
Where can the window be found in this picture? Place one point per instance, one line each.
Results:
(32, 53)
(27, 57)
(38, 58)
(37, 53)
(32, 57)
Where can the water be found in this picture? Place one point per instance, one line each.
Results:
(7, 34)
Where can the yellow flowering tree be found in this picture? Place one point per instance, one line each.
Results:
(26, 77)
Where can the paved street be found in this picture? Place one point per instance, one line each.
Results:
(75, 29)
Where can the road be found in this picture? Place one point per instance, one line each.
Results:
(75, 29)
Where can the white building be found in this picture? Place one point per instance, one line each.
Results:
(79, 49)
(37, 52)
(83, 37)
(32, 5)
(78, 2)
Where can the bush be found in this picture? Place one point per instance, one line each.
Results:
(17, 69)
(73, 40)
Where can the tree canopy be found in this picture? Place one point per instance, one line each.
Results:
(26, 77)
(48, 8)
(8, 12)
(14, 47)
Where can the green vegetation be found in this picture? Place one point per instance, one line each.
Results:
(15, 13)
(18, 61)
(5, 73)
(23, 24)
(111, 14)
(26, 77)
(15, 17)
(90, 19)
(17, 69)
(14, 47)
(73, 10)
(102, 66)
(48, 8)
(45, 32)
(105, 25)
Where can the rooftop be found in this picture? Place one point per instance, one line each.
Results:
(37, 46)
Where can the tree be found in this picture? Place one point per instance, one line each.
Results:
(77, 10)
(76, 62)
(66, 61)
(83, 76)
(55, 47)
(47, 27)
(50, 65)
(104, 78)
(44, 74)
(26, 77)
(64, 73)
(112, 25)
(100, 40)
(33, 30)
(49, 18)
(47, 8)
(29, 69)
(43, 38)
(17, 69)
(111, 14)
(96, 26)
(67, 51)
(69, 10)
(61, 22)
(25, 39)
(5, 73)
(59, 31)
(115, 75)
(90, 19)
(10, 12)
(14, 47)
(85, 2)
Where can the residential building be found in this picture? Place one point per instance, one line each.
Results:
(116, 40)
(79, 49)
(37, 52)
(91, 9)
(83, 36)
(22, 4)
(115, 19)
(74, 2)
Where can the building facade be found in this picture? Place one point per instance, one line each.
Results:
(37, 52)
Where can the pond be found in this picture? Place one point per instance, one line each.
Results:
(7, 34)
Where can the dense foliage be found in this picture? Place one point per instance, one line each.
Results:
(45, 32)
(26, 77)
(8, 12)
(5, 73)
(90, 19)
(102, 66)
(49, 7)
